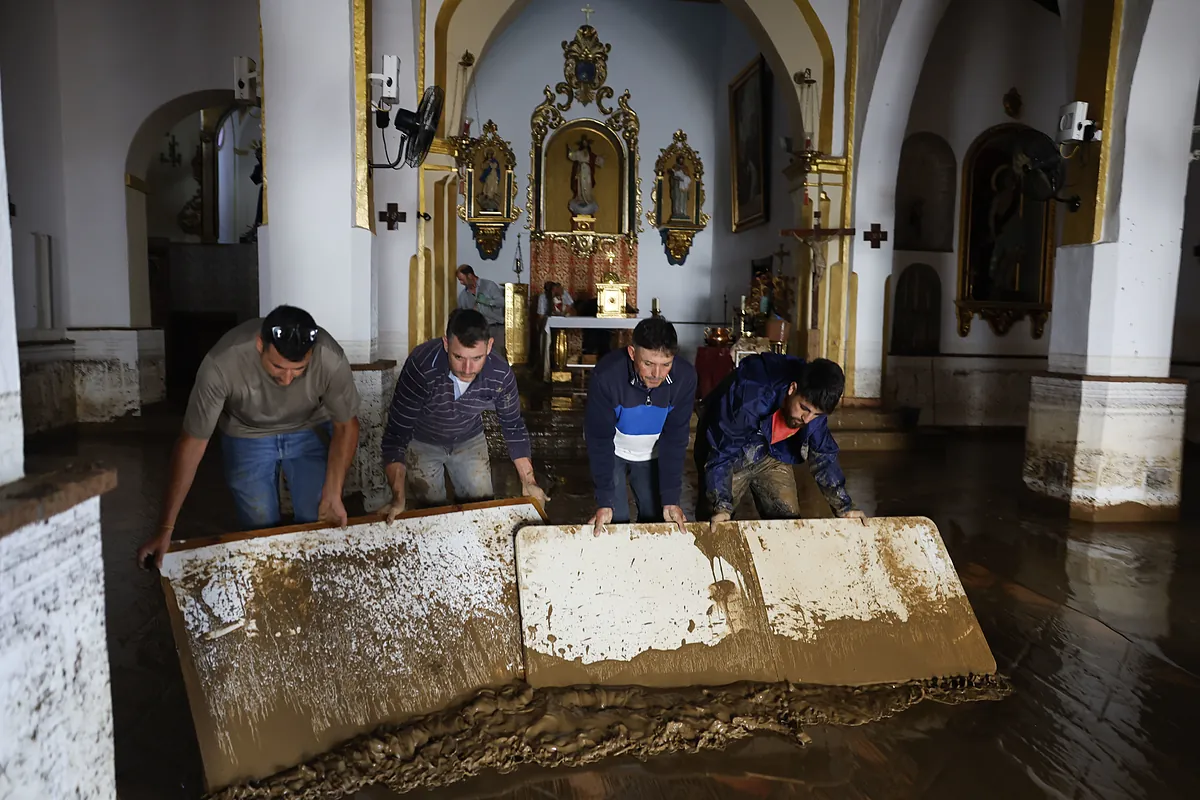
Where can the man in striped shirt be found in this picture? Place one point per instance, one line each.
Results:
(435, 423)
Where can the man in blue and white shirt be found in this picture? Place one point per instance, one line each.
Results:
(639, 406)
(435, 423)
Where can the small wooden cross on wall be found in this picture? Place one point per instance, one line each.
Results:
(392, 216)
(875, 235)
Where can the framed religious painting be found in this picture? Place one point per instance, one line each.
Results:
(486, 168)
(749, 130)
(1006, 237)
(677, 207)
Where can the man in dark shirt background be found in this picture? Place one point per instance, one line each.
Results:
(435, 423)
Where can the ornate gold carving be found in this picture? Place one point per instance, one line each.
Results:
(1001, 318)
(486, 170)
(585, 67)
(610, 297)
(364, 201)
(678, 164)
(516, 318)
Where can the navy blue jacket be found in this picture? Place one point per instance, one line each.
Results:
(624, 418)
(739, 432)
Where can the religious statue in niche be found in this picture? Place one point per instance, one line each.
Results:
(583, 177)
(678, 198)
(1006, 253)
(925, 194)
(486, 165)
(750, 120)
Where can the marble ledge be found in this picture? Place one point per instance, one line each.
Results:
(36, 498)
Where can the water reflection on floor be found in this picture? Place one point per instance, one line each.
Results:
(1098, 627)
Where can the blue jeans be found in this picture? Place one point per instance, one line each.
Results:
(643, 479)
(252, 471)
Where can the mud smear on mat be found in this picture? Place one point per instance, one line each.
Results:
(517, 725)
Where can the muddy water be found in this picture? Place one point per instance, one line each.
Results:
(1098, 628)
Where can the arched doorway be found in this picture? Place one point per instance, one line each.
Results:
(191, 209)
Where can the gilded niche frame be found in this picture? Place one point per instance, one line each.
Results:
(678, 198)
(620, 128)
(993, 283)
(487, 169)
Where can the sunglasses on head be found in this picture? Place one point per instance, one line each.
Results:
(296, 334)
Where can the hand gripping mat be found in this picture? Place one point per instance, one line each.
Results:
(821, 601)
(293, 640)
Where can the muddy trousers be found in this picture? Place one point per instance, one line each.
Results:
(466, 464)
(770, 481)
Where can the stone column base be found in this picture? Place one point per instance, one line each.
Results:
(117, 371)
(1111, 447)
(376, 382)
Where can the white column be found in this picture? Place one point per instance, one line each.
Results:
(1106, 425)
(12, 433)
(315, 252)
(394, 35)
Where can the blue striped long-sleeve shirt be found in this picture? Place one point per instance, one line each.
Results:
(423, 405)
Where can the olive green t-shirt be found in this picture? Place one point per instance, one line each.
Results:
(234, 391)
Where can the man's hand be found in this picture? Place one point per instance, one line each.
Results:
(154, 549)
(332, 510)
(854, 513)
(396, 507)
(532, 490)
(719, 517)
(675, 514)
(602, 517)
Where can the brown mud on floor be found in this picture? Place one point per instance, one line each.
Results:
(1097, 626)
(518, 725)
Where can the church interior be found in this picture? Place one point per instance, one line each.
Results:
(986, 213)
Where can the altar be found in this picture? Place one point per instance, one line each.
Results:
(555, 358)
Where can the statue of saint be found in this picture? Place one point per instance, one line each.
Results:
(680, 181)
(489, 179)
(583, 177)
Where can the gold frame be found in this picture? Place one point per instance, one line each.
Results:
(585, 48)
(488, 228)
(999, 315)
(620, 128)
(757, 70)
(677, 235)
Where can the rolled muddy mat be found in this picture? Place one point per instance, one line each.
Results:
(295, 640)
(822, 601)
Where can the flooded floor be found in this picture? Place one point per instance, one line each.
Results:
(1097, 626)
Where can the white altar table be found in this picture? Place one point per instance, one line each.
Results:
(577, 323)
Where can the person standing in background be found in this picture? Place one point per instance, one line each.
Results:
(487, 298)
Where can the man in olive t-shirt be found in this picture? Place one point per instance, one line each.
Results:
(281, 391)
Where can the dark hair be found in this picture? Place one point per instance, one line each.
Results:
(468, 326)
(290, 330)
(466, 269)
(656, 334)
(821, 383)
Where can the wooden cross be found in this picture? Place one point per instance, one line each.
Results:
(875, 235)
(392, 216)
(587, 14)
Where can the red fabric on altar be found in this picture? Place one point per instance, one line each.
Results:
(554, 260)
(712, 365)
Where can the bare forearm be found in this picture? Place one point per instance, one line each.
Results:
(185, 458)
(524, 470)
(396, 472)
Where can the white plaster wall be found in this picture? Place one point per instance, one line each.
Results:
(57, 736)
(665, 59)
(33, 139)
(12, 436)
(119, 60)
(170, 186)
(876, 166)
(979, 52)
(963, 391)
(733, 252)
(394, 32)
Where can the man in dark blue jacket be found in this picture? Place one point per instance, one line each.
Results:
(769, 414)
(639, 406)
